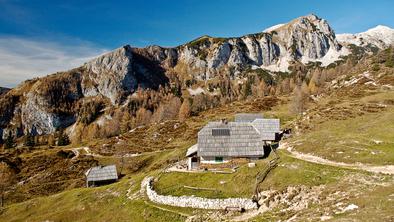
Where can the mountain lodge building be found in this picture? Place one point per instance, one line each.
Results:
(247, 137)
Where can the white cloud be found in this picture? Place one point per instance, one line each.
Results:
(22, 58)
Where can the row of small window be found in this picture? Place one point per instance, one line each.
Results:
(218, 159)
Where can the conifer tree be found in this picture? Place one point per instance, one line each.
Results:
(29, 140)
(63, 139)
(9, 141)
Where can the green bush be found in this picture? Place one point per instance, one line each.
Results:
(389, 63)
(375, 67)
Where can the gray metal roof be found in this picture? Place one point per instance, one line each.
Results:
(267, 128)
(102, 173)
(244, 140)
(247, 117)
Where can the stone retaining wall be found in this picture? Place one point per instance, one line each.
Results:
(196, 202)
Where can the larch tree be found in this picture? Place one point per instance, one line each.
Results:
(315, 82)
(167, 110)
(51, 140)
(173, 107)
(300, 98)
(285, 86)
(272, 91)
(261, 89)
(93, 131)
(126, 122)
(185, 110)
(292, 85)
(305, 89)
(313, 88)
(143, 117)
(7, 180)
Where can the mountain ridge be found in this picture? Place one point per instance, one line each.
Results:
(278, 64)
(263, 49)
(47, 104)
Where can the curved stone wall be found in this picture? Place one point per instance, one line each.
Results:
(196, 202)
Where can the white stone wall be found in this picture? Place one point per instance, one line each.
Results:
(196, 202)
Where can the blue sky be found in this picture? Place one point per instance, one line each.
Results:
(40, 37)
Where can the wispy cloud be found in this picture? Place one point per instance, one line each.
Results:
(23, 58)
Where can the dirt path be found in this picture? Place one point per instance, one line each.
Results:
(386, 169)
(165, 209)
(83, 150)
(248, 215)
(141, 193)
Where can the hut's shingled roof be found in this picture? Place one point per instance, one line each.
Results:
(102, 173)
(245, 138)
(243, 141)
(267, 128)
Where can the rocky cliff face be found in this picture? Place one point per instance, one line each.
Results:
(120, 72)
(43, 105)
(110, 75)
(306, 39)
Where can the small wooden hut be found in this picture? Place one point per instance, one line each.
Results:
(101, 175)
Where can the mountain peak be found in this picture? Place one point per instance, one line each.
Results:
(311, 16)
(381, 31)
(380, 28)
(311, 23)
(380, 36)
